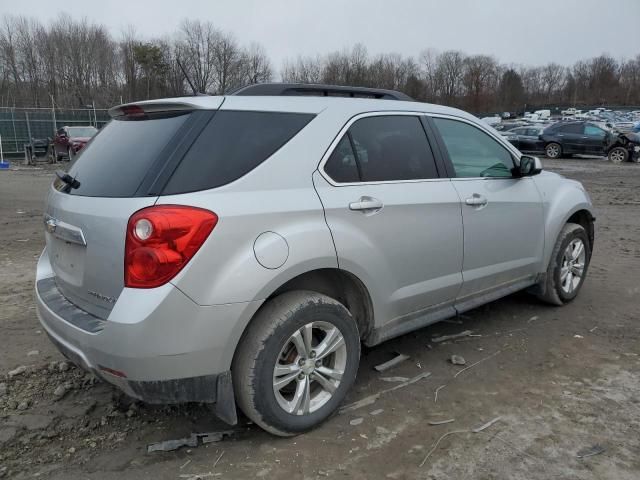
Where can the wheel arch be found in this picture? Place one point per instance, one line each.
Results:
(335, 283)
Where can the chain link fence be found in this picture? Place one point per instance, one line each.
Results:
(19, 127)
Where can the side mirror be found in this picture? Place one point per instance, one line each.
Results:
(529, 166)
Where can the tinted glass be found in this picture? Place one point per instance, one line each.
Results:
(473, 152)
(116, 160)
(341, 166)
(593, 131)
(392, 148)
(572, 128)
(231, 145)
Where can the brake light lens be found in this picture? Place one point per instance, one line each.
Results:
(161, 240)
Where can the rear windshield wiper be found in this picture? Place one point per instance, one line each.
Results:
(70, 181)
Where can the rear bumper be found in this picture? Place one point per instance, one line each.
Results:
(157, 345)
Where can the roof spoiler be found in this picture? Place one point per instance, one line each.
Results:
(304, 89)
(141, 109)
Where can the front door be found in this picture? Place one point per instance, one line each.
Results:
(396, 224)
(502, 215)
(594, 140)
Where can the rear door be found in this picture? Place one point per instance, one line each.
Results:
(396, 224)
(502, 215)
(85, 226)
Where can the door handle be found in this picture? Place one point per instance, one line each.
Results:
(476, 200)
(366, 205)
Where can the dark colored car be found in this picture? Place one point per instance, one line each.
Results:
(625, 147)
(568, 138)
(70, 140)
(526, 139)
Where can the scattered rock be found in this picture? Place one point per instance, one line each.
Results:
(376, 412)
(71, 450)
(457, 360)
(591, 451)
(63, 366)
(23, 405)
(3, 389)
(323, 473)
(356, 421)
(577, 336)
(17, 371)
(33, 353)
(60, 391)
(3, 472)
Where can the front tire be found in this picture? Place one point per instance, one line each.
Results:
(296, 362)
(618, 155)
(553, 150)
(568, 265)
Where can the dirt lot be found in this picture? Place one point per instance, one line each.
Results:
(560, 379)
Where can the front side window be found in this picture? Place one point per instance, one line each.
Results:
(593, 131)
(473, 152)
(383, 148)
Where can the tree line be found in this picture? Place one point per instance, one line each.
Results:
(77, 63)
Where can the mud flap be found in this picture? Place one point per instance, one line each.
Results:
(225, 406)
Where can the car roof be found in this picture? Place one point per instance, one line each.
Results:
(301, 104)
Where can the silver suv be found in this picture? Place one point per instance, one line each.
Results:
(241, 248)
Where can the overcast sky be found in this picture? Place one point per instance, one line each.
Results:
(515, 31)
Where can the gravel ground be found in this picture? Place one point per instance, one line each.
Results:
(564, 381)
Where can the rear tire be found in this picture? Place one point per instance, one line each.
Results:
(618, 155)
(296, 362)
(553, 150)
(565, 274)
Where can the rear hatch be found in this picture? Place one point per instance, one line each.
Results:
(115, 175)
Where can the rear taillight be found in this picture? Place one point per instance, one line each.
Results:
(160, 242)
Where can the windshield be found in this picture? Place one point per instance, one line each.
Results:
(82, 131)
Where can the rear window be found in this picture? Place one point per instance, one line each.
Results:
(231, 145)
(117, 159)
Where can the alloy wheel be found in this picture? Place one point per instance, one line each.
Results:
(309, 368)
(572, 269)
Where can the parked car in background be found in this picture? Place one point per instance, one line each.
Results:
(568, 138)
(247, 260)
(70, 140)
(625, 147)
(570, 111)
(526, 139)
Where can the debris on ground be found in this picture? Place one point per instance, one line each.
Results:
(577, 336)
(376, 412)
(33, 353)
(474, 364)
(486, 425)
(17, 371)
(391, 363)
(61, 391)
(435, 398)
(590, 451)
(444, 338)
(394, 379)
(356, 421)
(372, 398)
(190, 441)
(457, 360)
(3, 388)
(442, 422)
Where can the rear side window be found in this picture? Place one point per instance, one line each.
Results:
(572, 128)
(231, 145)
(387, 148)
(119, 157)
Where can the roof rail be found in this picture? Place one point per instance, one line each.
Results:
(311, 89)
